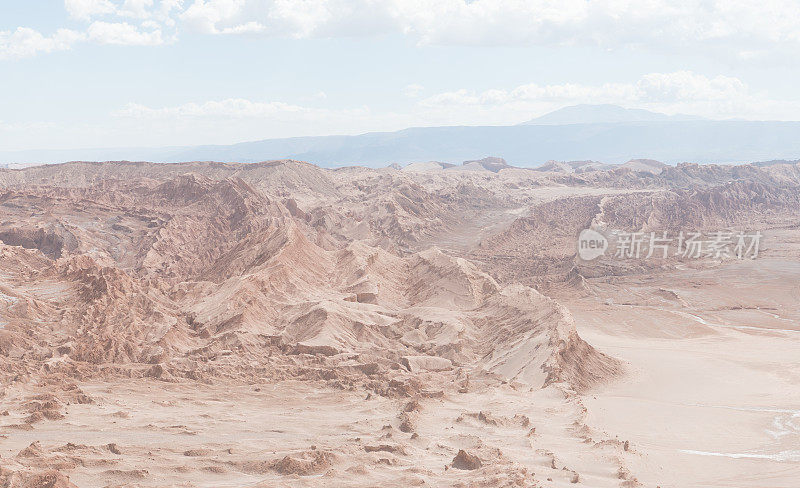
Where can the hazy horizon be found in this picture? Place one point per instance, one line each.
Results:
(603, 132)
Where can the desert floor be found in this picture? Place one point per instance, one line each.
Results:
(711, 395)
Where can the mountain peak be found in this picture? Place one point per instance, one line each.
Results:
(605, 113)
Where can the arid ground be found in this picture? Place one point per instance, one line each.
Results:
(280, 324)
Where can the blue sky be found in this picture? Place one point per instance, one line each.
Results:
(110, 73)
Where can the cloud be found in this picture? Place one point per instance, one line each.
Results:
(25, 42)
(675, 92)
(86, 9)
(610, 23)
(205, 16)
(683, 86)
(413, 90)
(229, 108)
(139, 9)
(239, 119)
(680, 86)
(122, 33)
(25, 126)
(740, 29)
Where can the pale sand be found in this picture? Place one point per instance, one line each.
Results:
(715, 404)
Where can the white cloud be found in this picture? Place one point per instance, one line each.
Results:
(237, 119)
(248, 28)
(230, 108)
(122, 33)
(676, 92)
(139, 9)
(25, 126)
(413, 90)
(741, 29)
(206, 15)
(680, 86)
(25, 42)
(609, 23)
(86, 9)
(164, 11)
(684, 86)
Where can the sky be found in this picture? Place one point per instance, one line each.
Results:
(131, 73)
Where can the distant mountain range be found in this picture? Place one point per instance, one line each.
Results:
(605, 133)
(601, 114)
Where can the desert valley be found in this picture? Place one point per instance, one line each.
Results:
(279, 324)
